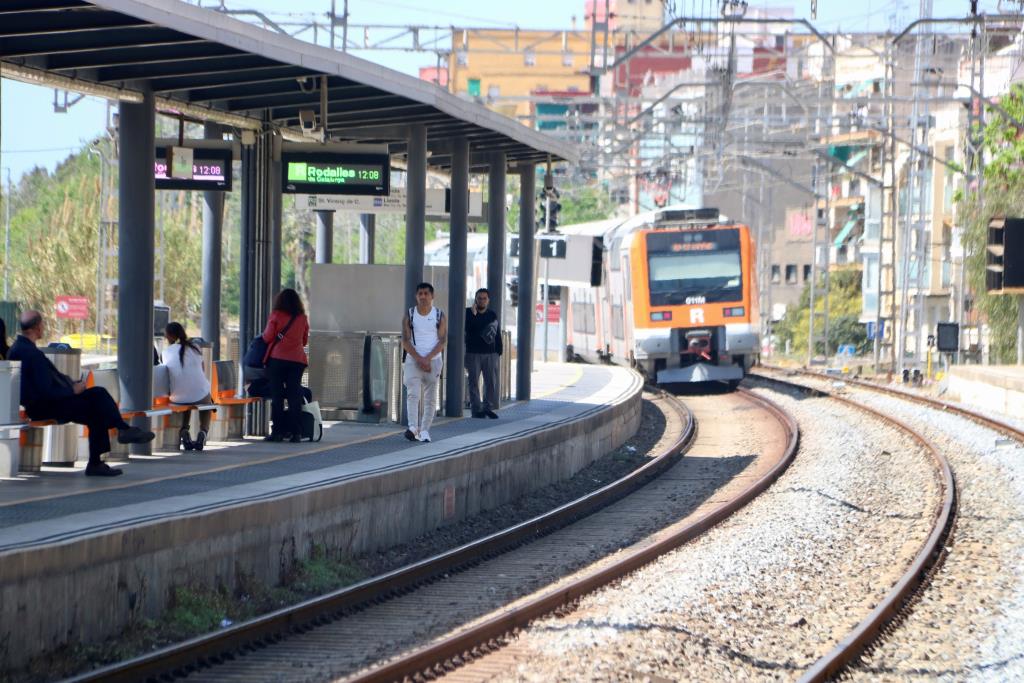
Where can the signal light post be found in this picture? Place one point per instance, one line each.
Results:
(550, 223)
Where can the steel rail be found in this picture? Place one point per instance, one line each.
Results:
(448, 653)
(208, 649)
(945, 406)
(870, 628)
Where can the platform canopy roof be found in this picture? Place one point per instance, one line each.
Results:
(208, 65)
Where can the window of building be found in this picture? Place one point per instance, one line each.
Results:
(473, 87)
(493, 92)
(790, 274)
(807, 272)
(566, 59)
(776, 275)
(462, 57)
(530, 58)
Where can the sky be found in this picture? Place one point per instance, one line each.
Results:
(32, 134)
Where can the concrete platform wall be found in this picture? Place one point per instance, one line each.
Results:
(93, 588)
(998, 388)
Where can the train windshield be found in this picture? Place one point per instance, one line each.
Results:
(694, 267)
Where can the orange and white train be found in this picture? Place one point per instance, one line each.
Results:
(676, 298)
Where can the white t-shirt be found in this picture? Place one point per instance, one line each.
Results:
(424, 330)
(188, 381)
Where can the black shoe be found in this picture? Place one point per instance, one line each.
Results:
(186, 440)
(479, 415)
(101, 469)
(409, 435)
(274, 437)
(134, 435)
(491, 414)
(200, 441)
(296, 438)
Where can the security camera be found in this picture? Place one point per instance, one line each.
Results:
(307, 120)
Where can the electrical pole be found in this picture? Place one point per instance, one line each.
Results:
(7, 238)
(548, 186)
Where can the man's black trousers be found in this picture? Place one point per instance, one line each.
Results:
(93, 408)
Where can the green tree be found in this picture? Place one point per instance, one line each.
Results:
(844, 326)
(1002, 194)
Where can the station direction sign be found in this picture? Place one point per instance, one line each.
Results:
(437, 202)
(72, 307)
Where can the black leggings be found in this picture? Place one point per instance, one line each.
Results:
(285, 382)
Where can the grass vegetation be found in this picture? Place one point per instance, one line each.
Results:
(194, 610)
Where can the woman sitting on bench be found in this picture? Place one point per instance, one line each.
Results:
(189, 385)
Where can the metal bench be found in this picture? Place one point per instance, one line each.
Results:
(168, 420)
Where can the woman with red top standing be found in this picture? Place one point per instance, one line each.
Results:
(286, 335)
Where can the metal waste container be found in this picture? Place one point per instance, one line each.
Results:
(60, 442)
(206, 350)
(10, 397)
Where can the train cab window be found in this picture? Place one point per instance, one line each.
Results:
(790, 275)
(776, 275)
(694, 266)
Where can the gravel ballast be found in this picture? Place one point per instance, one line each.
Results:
(967, 623)
(771, 589)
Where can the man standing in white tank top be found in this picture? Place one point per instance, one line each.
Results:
(424, 331)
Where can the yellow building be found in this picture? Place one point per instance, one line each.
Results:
(504, 68)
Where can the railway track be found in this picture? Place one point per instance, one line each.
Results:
(965, 621)
(443, 586)
(768, 594)
(870, 629)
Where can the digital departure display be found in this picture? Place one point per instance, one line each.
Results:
(211, 170)
(335, 173)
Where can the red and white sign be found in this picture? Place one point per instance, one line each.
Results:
(554, 313)
(72, 307)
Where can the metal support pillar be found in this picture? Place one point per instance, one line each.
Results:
(415, 210)
(524, 323)
(136, 241)
(496, 234)
(274, 191)
(213, 228)
(367, 237)
(324, 236)
(247, 255)
(455, 380)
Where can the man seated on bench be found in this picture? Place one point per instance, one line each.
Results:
(47, 394)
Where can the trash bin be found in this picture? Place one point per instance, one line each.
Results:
(10, 397)
(206, 350)
(60, 442)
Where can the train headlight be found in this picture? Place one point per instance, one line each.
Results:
(651, 342)
(659, 316)
(733, 312)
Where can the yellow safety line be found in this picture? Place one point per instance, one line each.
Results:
(578, 373)
(223, 468)
(575, 378)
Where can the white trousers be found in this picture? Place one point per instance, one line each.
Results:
(421, 392)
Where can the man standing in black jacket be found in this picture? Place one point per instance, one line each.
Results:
(483, 347)
(48, 394)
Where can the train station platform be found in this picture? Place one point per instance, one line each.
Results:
(106, 552)
(994, 388)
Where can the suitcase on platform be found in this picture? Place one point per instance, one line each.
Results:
(312, 423)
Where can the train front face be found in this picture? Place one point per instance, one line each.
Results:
(693, 318)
